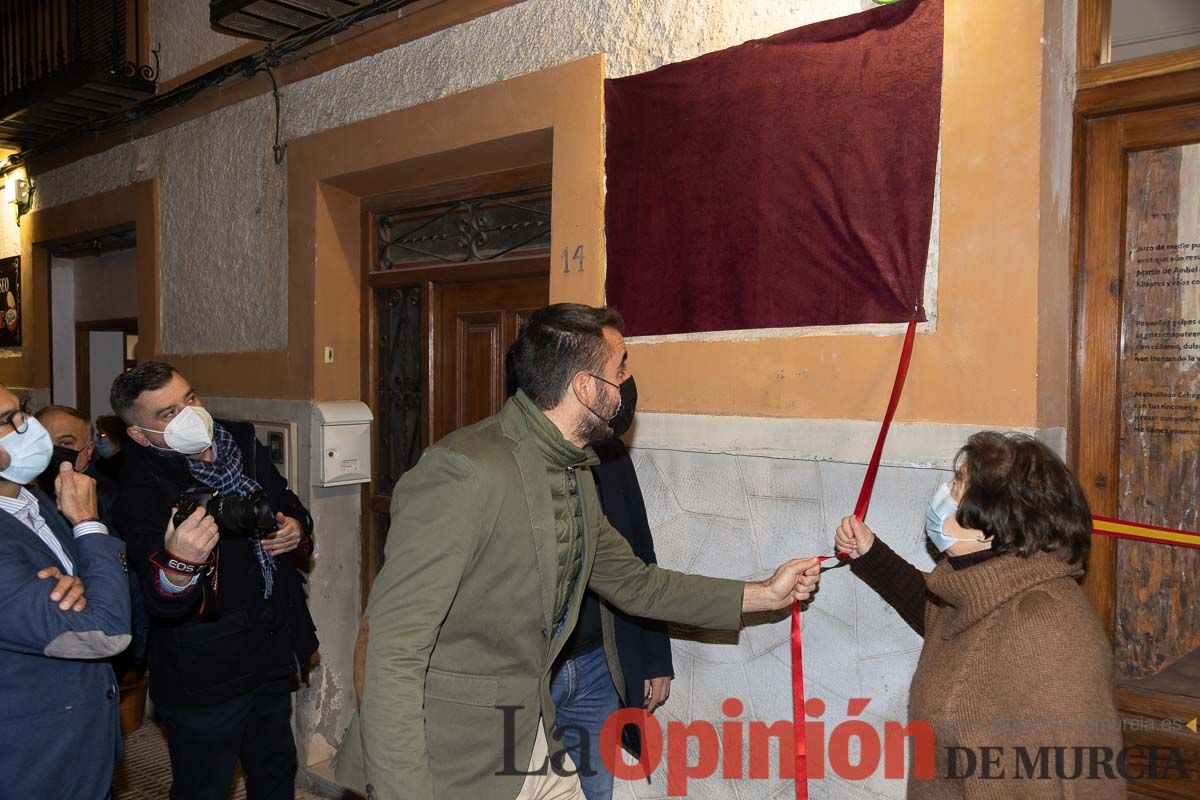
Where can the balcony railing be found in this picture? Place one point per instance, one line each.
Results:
(65, 63)
(272, 20)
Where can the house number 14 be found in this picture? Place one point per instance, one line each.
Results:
(578, 256)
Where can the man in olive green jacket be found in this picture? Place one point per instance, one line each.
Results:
(495, 534)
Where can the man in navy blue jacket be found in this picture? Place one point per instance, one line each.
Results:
(59, 729)
(612, 660)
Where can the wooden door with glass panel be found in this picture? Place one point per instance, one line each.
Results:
(1137, 422)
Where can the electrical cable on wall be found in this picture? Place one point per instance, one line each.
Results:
(266, 60)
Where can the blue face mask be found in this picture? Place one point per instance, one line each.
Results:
(29, 452)
(104, 448)
(942, 507)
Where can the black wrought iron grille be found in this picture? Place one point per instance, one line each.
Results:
(398, 312)
(66, 64)
(41, 39)
(479, 229)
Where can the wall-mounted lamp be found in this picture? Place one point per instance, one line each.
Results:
(19, 192)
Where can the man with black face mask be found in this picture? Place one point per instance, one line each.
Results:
(230, 626)
(74, 443)
(612, 660)
(496, 533)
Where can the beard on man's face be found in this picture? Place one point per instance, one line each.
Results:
(593, 428)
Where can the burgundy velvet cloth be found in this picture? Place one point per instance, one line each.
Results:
(787, 181)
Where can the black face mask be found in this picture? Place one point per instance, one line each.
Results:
(61, 454)
(622, 418)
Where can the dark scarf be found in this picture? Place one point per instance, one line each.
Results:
(224, 473)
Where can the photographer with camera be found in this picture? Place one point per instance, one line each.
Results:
(229, 618)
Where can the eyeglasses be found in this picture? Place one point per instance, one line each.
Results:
(19, 420)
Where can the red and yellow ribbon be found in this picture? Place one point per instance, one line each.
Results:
(1120, 529)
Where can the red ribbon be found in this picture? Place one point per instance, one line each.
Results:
(798, 700)
(868, 484)
(860, 511)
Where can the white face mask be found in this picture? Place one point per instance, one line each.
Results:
(191, 431)
(30, 453)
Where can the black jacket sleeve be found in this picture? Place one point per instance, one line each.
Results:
(276, 486)
(656, 644)
(643, 646)
(141, 514)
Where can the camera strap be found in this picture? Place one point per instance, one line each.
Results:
(169, 562)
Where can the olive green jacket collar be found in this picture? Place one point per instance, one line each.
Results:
(557, 451)
(537, 444)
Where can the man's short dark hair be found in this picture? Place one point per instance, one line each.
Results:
(129, 386)
(70, 412)
(1022, 494)
(555, 343)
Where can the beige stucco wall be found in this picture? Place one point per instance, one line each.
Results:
(224, 207)
(106, 286)
(184, 38)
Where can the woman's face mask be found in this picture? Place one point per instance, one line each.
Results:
(942, 506)
(189, 433)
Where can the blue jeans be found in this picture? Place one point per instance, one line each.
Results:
(584, 697)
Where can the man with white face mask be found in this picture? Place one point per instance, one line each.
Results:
(59, 734)
(229, 620)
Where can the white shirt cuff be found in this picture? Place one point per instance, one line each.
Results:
(167, 586)
(84, 528)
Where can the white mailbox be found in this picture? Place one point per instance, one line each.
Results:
(344, 436)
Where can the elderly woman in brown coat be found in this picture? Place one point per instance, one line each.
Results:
(1016, 675)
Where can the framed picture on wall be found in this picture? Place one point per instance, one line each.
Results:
(10, 301)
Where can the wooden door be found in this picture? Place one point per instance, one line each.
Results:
(437, 340)
(127, 329)
(1136, 428)
(473, 328)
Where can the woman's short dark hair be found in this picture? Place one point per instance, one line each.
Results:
(1022, 494)
(554, 344)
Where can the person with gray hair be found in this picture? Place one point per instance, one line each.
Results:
(73, 437)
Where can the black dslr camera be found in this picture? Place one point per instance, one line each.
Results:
(237, 517)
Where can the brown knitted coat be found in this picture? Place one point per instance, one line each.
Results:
(1014, 659)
